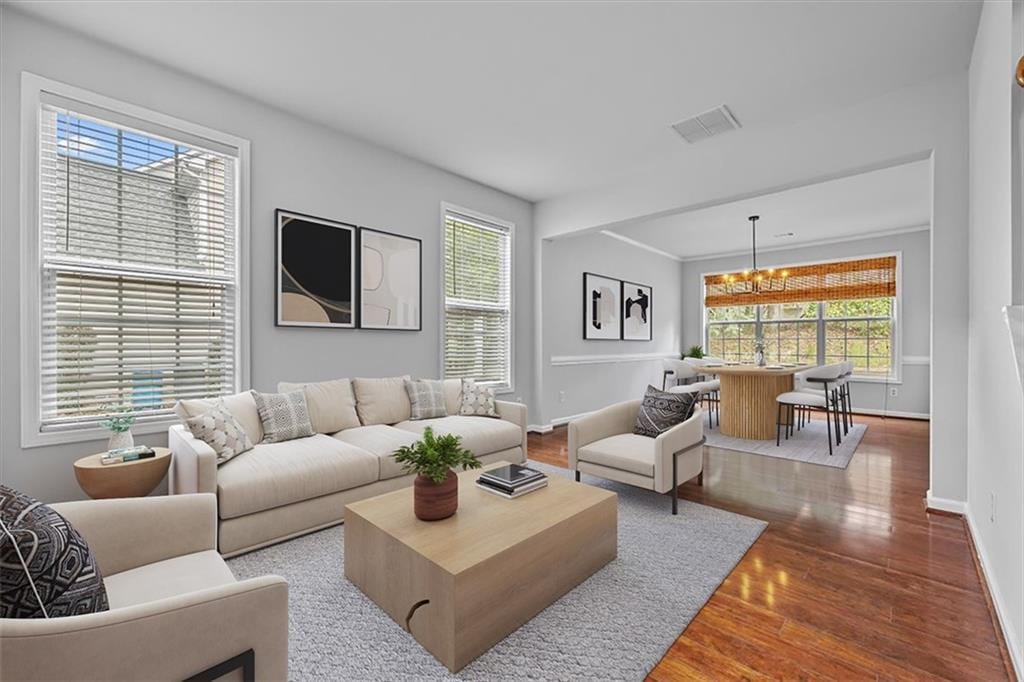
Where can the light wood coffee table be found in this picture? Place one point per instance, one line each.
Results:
(460, 585)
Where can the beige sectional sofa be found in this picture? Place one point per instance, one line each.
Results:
(281, 490)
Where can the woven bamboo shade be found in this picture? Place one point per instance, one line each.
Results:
(835, 281)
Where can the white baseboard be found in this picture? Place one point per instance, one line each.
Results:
(892, 413)
(547, 428)
(1001, 608)
(944, 504)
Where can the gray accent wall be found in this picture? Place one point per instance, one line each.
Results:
(296, 165)
(913, 310)
(602, 372)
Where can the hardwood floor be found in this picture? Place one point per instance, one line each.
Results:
(852, 579)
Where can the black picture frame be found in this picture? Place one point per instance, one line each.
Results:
(625, 297)
(285, 318)
(591, 329)
(364, 232)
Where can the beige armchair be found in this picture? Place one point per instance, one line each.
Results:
(603, 444)
(176, 611)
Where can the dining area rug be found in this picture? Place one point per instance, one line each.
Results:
(809, 444)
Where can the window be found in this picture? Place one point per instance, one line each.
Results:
(790, 332)
(731, 332)
(477, 299)
(861, 330)
(137, 236)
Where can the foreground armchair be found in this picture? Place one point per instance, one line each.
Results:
(603, 444)
(176, 611)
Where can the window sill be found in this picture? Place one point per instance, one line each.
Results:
(90, 434)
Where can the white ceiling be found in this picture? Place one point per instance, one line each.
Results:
(877, 202)
(540, 99)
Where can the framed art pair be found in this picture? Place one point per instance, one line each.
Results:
(337, 275)
(616, 310)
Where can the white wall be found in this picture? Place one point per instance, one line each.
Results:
(928, 120)
(295, 165)
(596, 382)
(995, 491)
(913, 313)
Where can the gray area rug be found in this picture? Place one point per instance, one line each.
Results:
(614, 626)
(810, 444)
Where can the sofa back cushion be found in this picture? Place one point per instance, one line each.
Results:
(452, 395)
(241, 406)
(46, 566)
(382, 401)
(332, 404)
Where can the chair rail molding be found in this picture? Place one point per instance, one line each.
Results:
(608, 358)
(916, 360)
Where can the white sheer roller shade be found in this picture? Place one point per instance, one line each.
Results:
(139, 269)
(478, 300)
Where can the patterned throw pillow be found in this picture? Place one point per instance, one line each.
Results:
(660, 411)
(46, 568)
(285, 416)
(426, 397)
(477, 400)
(219, 429)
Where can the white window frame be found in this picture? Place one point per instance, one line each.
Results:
(446, 208)
(896, 377)
(33, 90)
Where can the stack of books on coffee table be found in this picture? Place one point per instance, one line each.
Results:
(512, 480)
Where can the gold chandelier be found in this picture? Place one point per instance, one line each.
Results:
(754, 280)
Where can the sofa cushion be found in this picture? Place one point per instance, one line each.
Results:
(274, 474)
(284, 416)
(332, 404)
(480, 435)
(477, 400)
(46, 567)
(241, 406)
(219, 429)
(452, 395)
(382, 441)
(625, 452)
(426, 398)
(382, 401)
(168, 578)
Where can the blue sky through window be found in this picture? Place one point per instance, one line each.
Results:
(91, 141)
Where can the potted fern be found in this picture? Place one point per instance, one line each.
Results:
(694, 352)
(432, 458)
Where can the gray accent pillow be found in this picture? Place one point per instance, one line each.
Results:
(477, 400)
(219, 429)
(285, 416)
(661, 410)
(426, 397)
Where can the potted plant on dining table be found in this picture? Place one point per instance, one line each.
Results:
(433, 459)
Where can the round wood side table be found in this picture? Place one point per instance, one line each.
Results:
(127, 479)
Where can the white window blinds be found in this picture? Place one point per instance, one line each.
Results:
(139, 269)
(478, 300)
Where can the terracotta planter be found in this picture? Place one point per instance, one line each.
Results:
(435, 501)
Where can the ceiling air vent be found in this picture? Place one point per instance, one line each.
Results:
(702, 126)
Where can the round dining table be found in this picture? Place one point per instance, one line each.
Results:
(748, 395)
